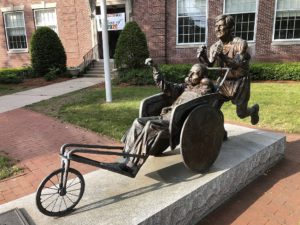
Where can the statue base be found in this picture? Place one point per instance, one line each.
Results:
(164, 191)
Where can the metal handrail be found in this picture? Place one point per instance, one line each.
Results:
(89, 58)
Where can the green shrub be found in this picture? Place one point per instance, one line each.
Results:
(46, 51)
(14, 75)
(52, 74)
(10, 78)
(143, 76)
(275, 71)
(177, 73)
(131, 50)
(139, 76)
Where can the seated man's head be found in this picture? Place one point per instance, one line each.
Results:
(197, 72)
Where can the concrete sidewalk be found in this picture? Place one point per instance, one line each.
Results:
(21, 99)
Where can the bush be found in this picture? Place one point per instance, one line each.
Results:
(10, 78)
(52, 74)
(15, 75)
(177, 73)
(275, 71)
(131, 50)
(143, 76)
(139, 76)
(47, 51)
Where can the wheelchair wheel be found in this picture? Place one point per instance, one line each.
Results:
(201, 138)
(54, 200)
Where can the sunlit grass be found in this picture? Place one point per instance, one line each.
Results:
(279, 107)
(7, 169)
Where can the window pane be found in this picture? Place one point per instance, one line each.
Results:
(191, 21)
(287, 23)
(15, 30)
(297, 34)
(244, 25)
(238, 6)
(288, 4)
(46, 18)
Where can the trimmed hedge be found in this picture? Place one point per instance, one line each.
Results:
(177, 73)
(131, 50)
(14, 76)
(47, 51)
(275, 71)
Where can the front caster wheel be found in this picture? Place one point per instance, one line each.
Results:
(54, 200)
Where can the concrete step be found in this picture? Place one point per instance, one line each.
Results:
(93, 75)
(95, 71)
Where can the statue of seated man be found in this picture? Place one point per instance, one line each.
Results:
(140, 137)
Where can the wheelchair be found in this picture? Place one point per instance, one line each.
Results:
(196, 127)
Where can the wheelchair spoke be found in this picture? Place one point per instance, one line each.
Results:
(64, 201)
(54, 205)
(48, 198)
(49, 204)
(73, 185)
(53, 184)
(69, 198)
(60, 204)
(53, 193)
(73, 194)
(70, 185)
(73, 190)
(52, 188)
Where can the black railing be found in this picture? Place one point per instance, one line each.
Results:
(89, 59)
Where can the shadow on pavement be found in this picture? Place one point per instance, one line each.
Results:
(279, 179)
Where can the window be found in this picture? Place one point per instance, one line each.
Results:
(46, 18)
(287, 23)
(15, 30)
(191, 21)
(243, 12)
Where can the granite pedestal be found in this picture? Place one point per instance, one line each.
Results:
(164, 191)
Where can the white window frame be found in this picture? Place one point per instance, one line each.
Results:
(42, 9)
(15, 50)
(255, 20)
(195, 44)
(274, 23)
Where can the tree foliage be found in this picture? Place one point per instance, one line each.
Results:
(47, 51)
(131, 50)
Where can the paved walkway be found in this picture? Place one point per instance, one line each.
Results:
(272, 199)
(34, 140)
(20, 99)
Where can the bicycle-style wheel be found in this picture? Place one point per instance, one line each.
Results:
(54, 200)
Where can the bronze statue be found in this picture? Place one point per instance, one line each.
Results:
(141, 136)
(231, 52)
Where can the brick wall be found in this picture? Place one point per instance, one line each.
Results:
(163, 46)
(74, 28)
(265, 49)
(151, 17)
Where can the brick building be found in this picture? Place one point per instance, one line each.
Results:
(174, 28)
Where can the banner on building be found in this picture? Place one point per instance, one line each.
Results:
(115, 21)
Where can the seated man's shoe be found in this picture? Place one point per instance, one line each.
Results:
(225, 137)
(129, 167)
(254, 115)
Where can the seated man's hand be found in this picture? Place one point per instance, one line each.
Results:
(201, 51)
(149, 62)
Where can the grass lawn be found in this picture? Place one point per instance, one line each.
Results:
(279, 107)
(6, 89)
(7, 169)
